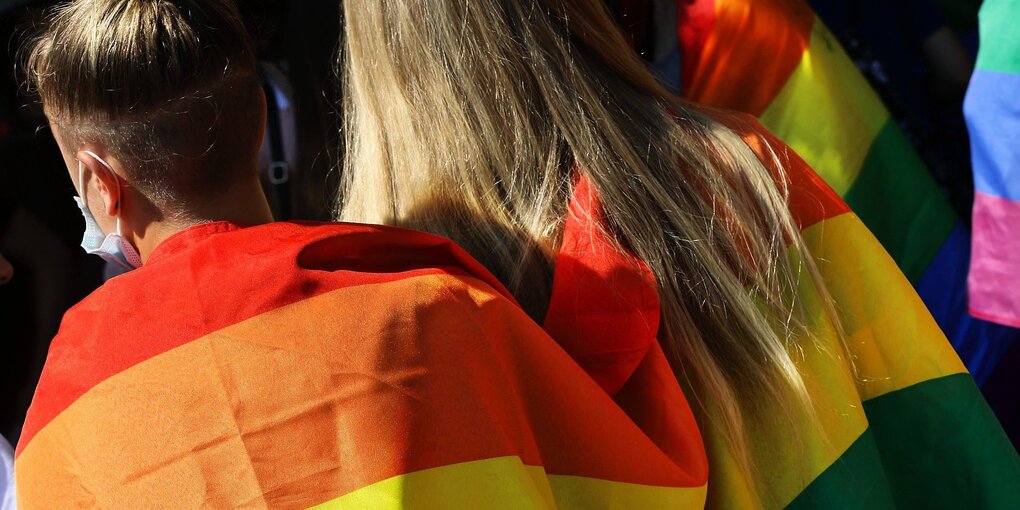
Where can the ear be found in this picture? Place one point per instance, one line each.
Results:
(99, 179)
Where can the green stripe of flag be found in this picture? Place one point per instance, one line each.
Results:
(942, 446)
(896, 197)
(852, 482)
(932, 445)
(1000, 36)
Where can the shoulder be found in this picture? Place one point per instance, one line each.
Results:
(292, 280)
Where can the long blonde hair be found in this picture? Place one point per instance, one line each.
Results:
(467, 119)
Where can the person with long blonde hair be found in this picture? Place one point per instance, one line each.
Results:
(657, 240)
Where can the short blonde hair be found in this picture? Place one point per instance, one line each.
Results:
(169, 86)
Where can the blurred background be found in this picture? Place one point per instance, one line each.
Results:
(40, 227)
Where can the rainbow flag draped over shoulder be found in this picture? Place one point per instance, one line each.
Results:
(331, 366)
(921, 435)
(897, 422)
(777, 61)
(992, 108)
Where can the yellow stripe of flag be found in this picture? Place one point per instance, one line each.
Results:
(507, 483)
(892, 343)
(827, 112)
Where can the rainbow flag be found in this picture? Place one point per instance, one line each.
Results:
(902, 422)
(777, 61)
(331, 366)
(896, 421)
(347, 366)
(992, 108)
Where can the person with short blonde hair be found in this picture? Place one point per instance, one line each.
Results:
(158, 116)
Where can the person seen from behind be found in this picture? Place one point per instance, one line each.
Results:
(661, 243)
(240, 363)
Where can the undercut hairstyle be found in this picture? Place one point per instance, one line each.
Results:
(169, 87)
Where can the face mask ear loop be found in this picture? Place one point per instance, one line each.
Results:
(119, 191)
(115, 179)
(81, 184)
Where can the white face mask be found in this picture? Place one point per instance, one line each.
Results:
(111, 247)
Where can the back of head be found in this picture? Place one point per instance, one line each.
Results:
(167, 86)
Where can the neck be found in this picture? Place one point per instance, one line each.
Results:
(244, 204)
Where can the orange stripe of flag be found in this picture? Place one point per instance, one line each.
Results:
(810, 199)
(175, 299)
(327, 395)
